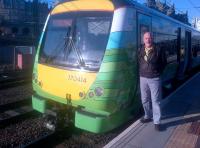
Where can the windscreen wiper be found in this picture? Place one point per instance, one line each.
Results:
(74, 47)
(70, 45)
(78, 52)
(67, 43)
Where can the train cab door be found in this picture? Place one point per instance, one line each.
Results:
(144, 24)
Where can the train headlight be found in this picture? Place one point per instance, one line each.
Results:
(81, 94)
(91, 94)
(98, 91)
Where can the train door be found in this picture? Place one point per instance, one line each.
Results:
(181, 53)
(187, 50)
(143, 25)
(184, 53)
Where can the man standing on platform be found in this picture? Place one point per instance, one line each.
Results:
(152, 61)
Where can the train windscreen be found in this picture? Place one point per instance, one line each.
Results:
(76, 40)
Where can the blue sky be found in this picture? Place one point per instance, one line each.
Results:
(180, 5)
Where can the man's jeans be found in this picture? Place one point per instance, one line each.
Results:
(151, 94)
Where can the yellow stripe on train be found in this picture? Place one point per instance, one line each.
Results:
(84, 5)
(64, 83)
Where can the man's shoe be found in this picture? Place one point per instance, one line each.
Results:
(144, 120)
(157, 127)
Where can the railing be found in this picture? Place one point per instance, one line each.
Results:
(16, 58)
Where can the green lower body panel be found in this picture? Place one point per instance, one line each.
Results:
(100, 124)
(94, 122)
(38, 104)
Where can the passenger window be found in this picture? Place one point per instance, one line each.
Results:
(143, 29)
(169, 44)
(195, 48)
(144, 25)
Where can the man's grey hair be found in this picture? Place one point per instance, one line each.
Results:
(150, 33)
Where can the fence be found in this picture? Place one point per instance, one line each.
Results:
(14, 58)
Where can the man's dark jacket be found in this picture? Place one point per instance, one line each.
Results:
(155, 64)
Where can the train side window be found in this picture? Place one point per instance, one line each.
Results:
(195, 48)
(169, 44)
(198, 49)
(143, 29)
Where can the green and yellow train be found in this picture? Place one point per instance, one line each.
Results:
(87, 59)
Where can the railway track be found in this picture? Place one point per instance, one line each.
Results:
(13, 105)
(54, 138)
(38, 140)
(24, 133)
(16, 115)
(14, 78)
(38, 133)
(20, 125)
(13, 82)
(15, 112)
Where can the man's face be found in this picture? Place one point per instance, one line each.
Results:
(147, 40)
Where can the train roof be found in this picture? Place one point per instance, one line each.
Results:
(155, 12)
(133, 3)
(83, 5)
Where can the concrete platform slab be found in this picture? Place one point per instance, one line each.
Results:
(180, 123)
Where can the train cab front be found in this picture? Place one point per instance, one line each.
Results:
(68, 60)
(85, 61)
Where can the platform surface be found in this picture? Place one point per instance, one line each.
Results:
(180, 122)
